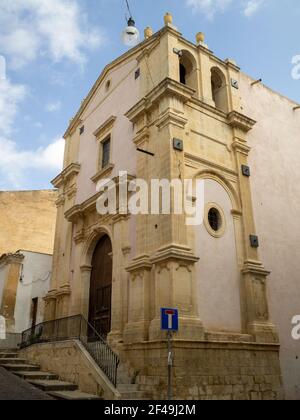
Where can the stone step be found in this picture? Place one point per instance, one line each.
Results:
(127, 388)
(132, 395)
(37, 375)
(50, 386)
(73, 396)
(22, 368)
(12, 361)
(8, 355)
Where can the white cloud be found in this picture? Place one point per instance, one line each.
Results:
(14, 162)
(57, 29)
(11, 96)
(211, 7)
(53, 106)
(252, 7)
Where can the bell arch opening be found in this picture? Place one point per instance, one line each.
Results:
(219, 89)
(188, 70)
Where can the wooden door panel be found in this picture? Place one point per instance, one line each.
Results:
(101, 287)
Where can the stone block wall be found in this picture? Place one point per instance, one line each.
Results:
(71, 363)
(208, 370)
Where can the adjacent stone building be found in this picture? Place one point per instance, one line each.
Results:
(27, 226)
(27, 221)
(24, 282)
(234, 278)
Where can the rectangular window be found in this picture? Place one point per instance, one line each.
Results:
(81, 130)
(106, 153)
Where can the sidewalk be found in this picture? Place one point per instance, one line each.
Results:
(13, 388)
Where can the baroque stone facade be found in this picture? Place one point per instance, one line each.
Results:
(227, 345)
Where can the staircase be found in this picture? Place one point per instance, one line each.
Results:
(47, 382)
(127, 387)
(125, 384)
(75, 328)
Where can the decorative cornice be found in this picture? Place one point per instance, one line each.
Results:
(71, 191)
(64, 290)
(60, 201)
(51, 295)
(74, 213)
(170, 117)
(105, 127)
(79, 210)
(68, 172)
(256, 268)
(140, 263)
(237, 120)
(142, 137)
(240, 147)
(16, 258)
(174, 252)
(232, 65)
(103, 173)
(166, 87)
(204, 105)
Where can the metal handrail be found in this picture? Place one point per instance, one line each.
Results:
(75, 327)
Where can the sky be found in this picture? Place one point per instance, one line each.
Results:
(51, 53)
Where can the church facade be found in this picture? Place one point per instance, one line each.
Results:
(170, 109)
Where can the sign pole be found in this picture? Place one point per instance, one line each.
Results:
(170, 364)
(169, 323)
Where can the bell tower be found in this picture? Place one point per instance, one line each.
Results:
(192, 95)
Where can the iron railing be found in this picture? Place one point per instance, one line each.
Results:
(76, 328)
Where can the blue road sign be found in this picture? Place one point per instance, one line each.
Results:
(169, 319)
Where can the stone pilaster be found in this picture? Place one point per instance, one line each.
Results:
(14, 262)
(50, 305)
(258, 320)
(85, 289)
(254, 276)
(137, 328)
(119, 280)
(175, 286)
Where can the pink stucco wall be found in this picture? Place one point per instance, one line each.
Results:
(275, 167)
(217, 271)
(122, 95)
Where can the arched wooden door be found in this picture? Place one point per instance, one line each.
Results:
(101, 287)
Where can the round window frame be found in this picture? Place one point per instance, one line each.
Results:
(215, 233)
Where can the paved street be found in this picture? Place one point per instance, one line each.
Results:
(13, 388)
